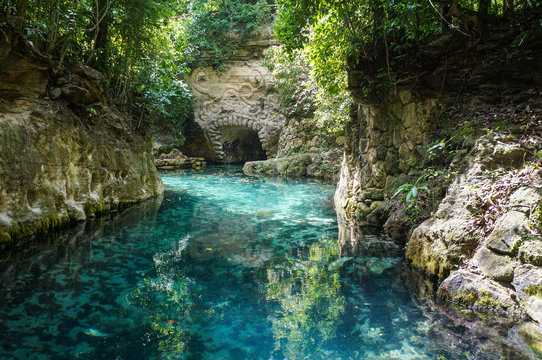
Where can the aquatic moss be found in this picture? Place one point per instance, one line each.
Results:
(50, 223)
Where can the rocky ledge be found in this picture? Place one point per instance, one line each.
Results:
(485, 240)
(176, 160)
(66, 153)
(324, 165)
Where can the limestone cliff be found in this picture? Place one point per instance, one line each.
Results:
(65, 154)
(481, 236)
(237, 119)
(235, 109)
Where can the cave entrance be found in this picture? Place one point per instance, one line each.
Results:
(241, 144)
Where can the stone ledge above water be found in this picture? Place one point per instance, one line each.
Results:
(176, 160)
(317, 165)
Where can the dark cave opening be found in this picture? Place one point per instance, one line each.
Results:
(241, 144)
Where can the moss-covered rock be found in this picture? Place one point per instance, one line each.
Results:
(479, 293)
(495, 266)
(318, 165)
(532, 335)
(66, 159)
(530, 252)
(507, 233)
(528, 285)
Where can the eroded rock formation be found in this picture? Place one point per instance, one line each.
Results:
(482, 237)
(66, 159)
(235, 107)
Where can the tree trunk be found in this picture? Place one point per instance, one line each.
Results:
(103, 26)
(483, 8)
(21, 13)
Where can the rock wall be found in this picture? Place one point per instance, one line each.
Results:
(63, 159)
(384, 142)
(302, 134)
(483, 241)
(304, 150)
(236, 100)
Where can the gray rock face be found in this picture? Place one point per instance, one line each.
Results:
(478, 293)
(508, 154)
(525, 199)
(507, 232)
(495, 266)
(530, 252)
(382, 141)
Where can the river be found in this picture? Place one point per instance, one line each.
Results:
(226, 266)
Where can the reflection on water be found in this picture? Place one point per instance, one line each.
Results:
(229, 267)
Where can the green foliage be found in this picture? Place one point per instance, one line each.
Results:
(144, 48)
(437, 148)
(329, 32)
(357, 26)
(295, 88)
(299, 93)
(410, 191)
(219, 27)
(332, 110)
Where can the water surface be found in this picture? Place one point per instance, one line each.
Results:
(228, 267)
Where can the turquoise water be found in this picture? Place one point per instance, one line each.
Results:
(229, 267)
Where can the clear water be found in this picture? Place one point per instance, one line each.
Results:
(228, 267)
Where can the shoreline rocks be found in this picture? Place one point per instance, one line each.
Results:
(68, 159)
(176, 160)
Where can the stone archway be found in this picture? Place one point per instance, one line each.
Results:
(236, 109)
(241, 144)
(244, 130)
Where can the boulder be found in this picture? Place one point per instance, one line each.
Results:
(506, 155)
(530, 252)
(525, 199)
(479, 293)
(507, 233)
(495, 266)
(531, 334)
(528, 284)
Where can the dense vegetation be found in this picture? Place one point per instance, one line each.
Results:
(383, 35)
(145, 47)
